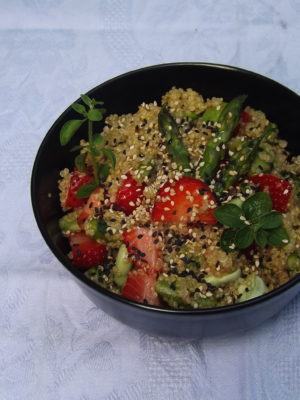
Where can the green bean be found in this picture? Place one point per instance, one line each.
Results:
(240, 162)
(175, 147)
(215, 149)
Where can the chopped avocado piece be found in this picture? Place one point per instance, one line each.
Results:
(293, 263)
(68, 223)
(95, 228)
(250, 287)
(220, 280)
(213, 114)
(122, 267)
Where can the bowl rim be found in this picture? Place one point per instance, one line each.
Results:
(113, 296)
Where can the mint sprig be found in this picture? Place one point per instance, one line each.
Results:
(254, 221)
(91, 113)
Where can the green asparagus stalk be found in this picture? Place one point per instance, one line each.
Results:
(174, 144)
(214, 151)
(241, 161)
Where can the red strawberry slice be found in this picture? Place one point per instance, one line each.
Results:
(278, 189)
(245, 117)
(94, 204)
(77, 180)
(140, 287)
(186, 200)
(129, 195)
(143, 246)
(86, 252)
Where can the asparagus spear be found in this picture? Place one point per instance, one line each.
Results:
(241, 161)
(175, 146)
(214, 151)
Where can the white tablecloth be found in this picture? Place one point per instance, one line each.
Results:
(54, 343)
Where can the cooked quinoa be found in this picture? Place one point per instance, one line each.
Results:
(191, 258)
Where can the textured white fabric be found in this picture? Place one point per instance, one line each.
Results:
(54, 343)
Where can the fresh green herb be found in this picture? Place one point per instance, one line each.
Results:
(80, 161)
(69, 129)
(95, 148)
(85, 190)
(254, 221)
(103, 171)
(110, 156)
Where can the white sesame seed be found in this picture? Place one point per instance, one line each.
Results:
(131, 203)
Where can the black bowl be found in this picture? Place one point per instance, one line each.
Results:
(122, 95)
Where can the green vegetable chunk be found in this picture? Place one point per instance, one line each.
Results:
(221, 280)
(293, 263)
(122, 267)
(95, 228)
(214, 151)
(240, 162)
(252, 286)
(68, 223)
(174, 144)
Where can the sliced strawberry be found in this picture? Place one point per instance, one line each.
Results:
(77, 180)
(186, 200)
(86, 252)
(278, 189)
(245, 117)
(140, 287)
(129, 195)
(143, 247)
(93, 205)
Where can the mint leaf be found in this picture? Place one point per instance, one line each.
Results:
(229, 215)
(227, 240)
(94, 151)
(110, 155)
(86, 99)
(68, 130)
(95, 115)
(103, 171)
(261, 238)
(79, 108)
(98, 140)
(244, 237)
(271, 220)
(80, 162)
(86, 190)
(278, 237)
(256, 206)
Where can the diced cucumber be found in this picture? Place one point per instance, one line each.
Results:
(68, 223)
(293, 263)
(221, 280)
(252, 286)
(95, 228)
(122, 267)
(168, 294)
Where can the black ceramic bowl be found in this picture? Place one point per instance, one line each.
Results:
(122, 95)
